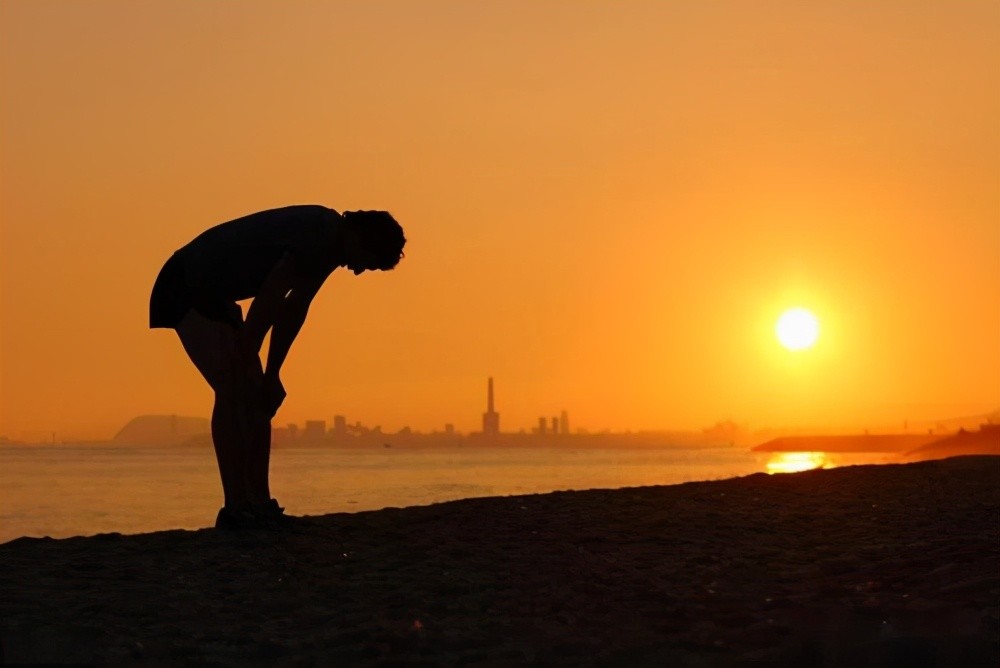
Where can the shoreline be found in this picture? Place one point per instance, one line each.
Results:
(174, 488)
(867, 565)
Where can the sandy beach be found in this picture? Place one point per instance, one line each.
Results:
(858, 566)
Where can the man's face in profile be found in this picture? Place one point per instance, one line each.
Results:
(362, 261)
(365, 260)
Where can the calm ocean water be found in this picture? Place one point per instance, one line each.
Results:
(70, 490)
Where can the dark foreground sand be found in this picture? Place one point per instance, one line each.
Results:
(861, 566)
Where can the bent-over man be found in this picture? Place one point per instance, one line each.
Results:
(280, 258)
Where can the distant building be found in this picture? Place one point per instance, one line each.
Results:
(339, 425)
(491, 419)
(279, 436)
(315, 430)
(564, 423)
(542, 426)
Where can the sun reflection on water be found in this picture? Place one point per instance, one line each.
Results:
(792, 462)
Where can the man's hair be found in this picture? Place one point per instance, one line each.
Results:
(378, 232)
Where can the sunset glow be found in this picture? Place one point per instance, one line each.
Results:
(607, 206)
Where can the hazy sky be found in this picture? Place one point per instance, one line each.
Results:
(608, 205)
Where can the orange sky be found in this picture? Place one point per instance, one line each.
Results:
(608, 205)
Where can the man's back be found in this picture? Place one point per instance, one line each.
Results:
(230, 261)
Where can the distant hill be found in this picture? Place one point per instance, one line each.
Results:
(851, 443)
(986, 441)
(163, 430)
(952, 425)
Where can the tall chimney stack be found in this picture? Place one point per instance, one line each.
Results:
(491, 419)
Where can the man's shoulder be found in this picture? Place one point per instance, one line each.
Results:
(295, 212)
(294, 226)
(288, 223)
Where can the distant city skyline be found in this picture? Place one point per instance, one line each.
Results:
(490, 423)
(318, 428)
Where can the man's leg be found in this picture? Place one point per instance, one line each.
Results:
(257, 426)
(212, 347)
(260, 455)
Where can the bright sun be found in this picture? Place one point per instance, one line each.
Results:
(797, 329)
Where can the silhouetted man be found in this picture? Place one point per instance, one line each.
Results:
(280, 258)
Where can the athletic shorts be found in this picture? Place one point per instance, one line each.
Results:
(172, 298)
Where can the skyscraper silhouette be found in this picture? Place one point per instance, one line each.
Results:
(491, 419)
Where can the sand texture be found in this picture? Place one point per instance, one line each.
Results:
(857, 566)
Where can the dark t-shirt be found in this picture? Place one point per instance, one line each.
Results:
(229, 262)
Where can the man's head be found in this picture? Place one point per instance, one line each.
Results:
(375, 241)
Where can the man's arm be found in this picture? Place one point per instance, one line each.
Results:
(286, 327)
(287, 324)
(281, 307)
(268, 304)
